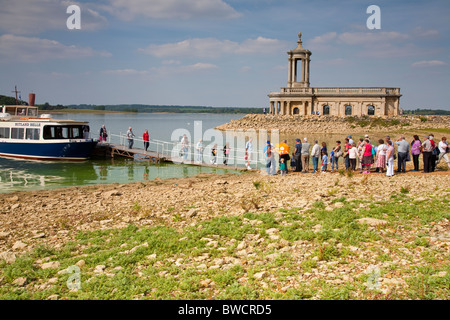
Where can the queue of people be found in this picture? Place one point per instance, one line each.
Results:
(363, 155)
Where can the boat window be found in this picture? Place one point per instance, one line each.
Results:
(4, 133)
(17, 133)
(11, 110)
(32, 112)
(33, 134)
(77, 133)
(63, 132)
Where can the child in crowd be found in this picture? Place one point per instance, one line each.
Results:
(283, 167)
(324, 161)
(293, 162)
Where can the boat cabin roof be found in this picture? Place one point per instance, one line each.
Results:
(24, 111)
(30, 113)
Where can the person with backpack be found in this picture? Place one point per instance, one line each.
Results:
(444, 151)
(336, 153)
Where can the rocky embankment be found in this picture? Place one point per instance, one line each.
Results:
(331, 124)
(302, 236)
(54, 216)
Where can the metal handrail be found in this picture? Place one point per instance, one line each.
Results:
(165, 148)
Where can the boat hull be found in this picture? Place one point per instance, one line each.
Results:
(80, 150)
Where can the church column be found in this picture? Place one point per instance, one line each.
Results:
(288, 107)
(303, 70)
(294, 70)
(307, 71)
(290, 73)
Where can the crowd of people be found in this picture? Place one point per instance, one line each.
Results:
(364, 155)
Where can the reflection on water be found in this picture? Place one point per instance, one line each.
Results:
(22, 175)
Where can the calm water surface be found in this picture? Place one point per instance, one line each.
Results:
(21, 175)
(17, 175)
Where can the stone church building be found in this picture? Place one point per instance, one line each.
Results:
(300, 98)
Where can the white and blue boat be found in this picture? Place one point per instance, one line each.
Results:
(25, 135)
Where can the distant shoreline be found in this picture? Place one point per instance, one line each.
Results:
(75, 111)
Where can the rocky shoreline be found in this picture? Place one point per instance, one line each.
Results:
(53, 218)
(292, 124)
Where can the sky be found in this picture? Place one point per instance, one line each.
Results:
(221, 53)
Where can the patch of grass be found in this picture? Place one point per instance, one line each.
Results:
(341, 199)
(319, 205)
(326, 252)
(308, 265)
(174, 273)
(334, 191)
(404, 190)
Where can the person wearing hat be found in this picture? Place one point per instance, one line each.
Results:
(298, 155)
(350, 140)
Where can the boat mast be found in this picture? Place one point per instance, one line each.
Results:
(15, 90)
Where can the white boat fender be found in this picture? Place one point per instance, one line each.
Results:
(5, 116)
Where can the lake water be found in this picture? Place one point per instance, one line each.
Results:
(16, 175)
(20, 175)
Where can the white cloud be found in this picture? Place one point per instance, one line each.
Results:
(429, 63)
(171, 9)
(28, 49)
(324, 39)
(371, 38)
(168, 62)
(32, 17)
(126, 72)
(197, 67)
(213, 48)
(374, 44)
(164, 70)
(426, 33)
